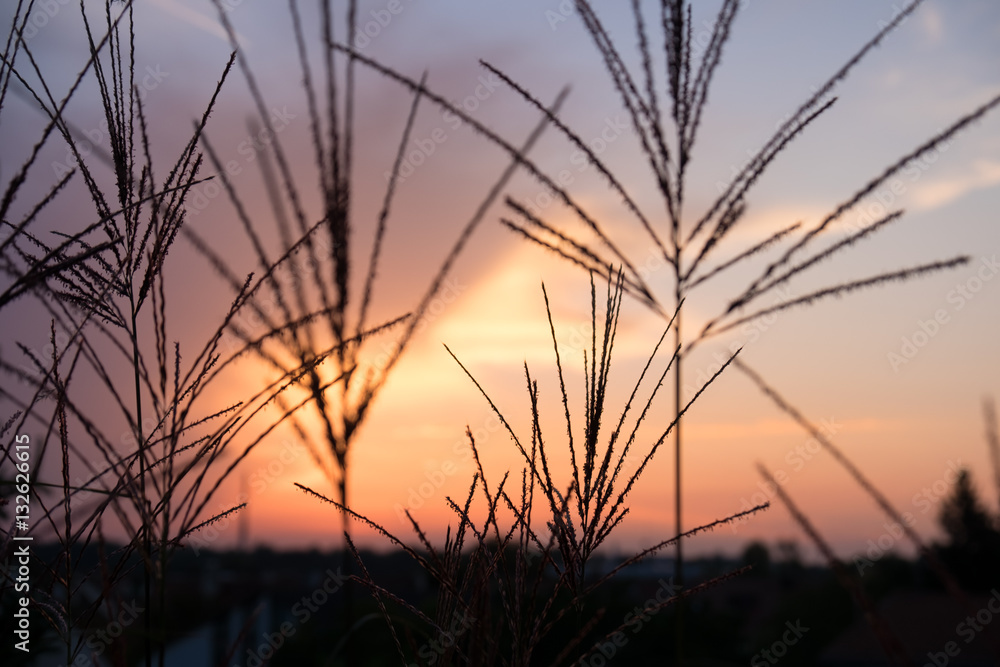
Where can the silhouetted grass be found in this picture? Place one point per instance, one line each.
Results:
(512, 584)
(666, 134)
(110, 336)
(929, 554)
(103, 287)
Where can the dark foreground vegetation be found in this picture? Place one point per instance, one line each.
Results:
(267, 607)
(283, 608)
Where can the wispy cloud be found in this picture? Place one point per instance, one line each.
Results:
(932, 23)
(196, 19)
(983, 174)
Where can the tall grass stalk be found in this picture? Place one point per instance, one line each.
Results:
(992, 440)
(342, 407)
(110, 336)
(666, 120)
(929, 554)
(690, 244)
(891, 645)
(515, 583)
(686, 243)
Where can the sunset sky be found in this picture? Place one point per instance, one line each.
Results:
(907, 421)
